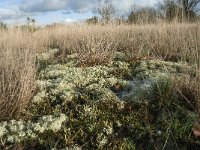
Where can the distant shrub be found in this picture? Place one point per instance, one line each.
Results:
(93, 20)
(3, 26)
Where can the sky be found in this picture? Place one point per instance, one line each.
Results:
(58, 11)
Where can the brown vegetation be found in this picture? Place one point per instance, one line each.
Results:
(93, 44)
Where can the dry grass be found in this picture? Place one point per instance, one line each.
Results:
(17, 72)
(94, 45)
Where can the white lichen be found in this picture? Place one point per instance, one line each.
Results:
(18, 131)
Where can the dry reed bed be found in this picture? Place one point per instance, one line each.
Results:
(18, 49)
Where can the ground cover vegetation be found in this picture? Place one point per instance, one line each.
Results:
(117, 87)
(100, 87)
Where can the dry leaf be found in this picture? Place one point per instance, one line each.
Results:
(196, 129)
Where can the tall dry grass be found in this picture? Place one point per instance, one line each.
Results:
(176, 42)
(94, 45)
(17, 72)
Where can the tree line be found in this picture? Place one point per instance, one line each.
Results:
(165, 10)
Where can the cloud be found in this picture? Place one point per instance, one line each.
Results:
(82, 5)
(17, 9)
(56, 5)
(148, 2)
(122, 6)
(76, 5)
(42, 5)
(68, 20)
(9, 14)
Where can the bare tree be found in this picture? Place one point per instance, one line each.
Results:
(169, 9)
(143, 15)
(190, 7)
(106, 10)
(181, 9)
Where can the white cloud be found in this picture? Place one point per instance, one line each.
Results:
(42, 5)
(148, 2)
(68, 20)
(123, 6)
(9, 14)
